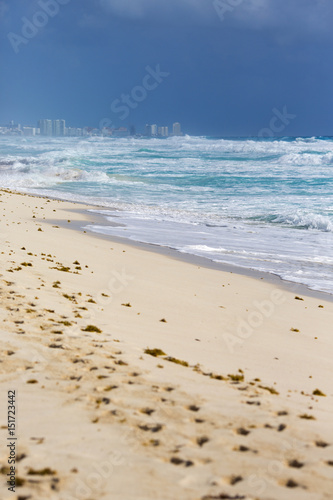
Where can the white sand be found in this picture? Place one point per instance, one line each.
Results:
(87, 416)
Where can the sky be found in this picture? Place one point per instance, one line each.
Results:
(219, 67)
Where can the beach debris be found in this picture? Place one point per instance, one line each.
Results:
(154, 442)
(106, 401)
(242, 448)
(317, 392)
(291, 484)
(154, 352)
(242, 432)
(237, 377)
(193, 408)
(147, 411)
(217, 377)
(321, 444)
(61, 268)
(269, 389)
(69, 297)
(19, 481)
(296, 464)
(235, 479)
(91, 328)
(202, 440)
(223, 496)
(151, 427)
(177, 361)
(180, 461)
(42, 472)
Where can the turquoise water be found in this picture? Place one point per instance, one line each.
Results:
(261, 204)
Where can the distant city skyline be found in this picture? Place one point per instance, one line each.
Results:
(57, 128)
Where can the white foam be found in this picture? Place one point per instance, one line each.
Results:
(261, 204)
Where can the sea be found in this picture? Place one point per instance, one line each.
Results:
(262, 204)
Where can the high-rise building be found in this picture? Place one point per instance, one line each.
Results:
(29, 131)
(148, 130)
(59, 127)
(14, 126)
(163, 131)
(74, 132)
(45, 127)
(176, 129)
(154, 130)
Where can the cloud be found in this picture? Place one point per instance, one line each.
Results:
(287, 20)
(3, 9)
(302, 16)
(146, 8)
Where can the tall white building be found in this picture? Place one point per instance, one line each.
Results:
(29, 131)
(45, 127)
(154, 130)
(163, 131)
(176, 129)
(59, 127)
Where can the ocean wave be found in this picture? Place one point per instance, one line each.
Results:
(16, 164)
(305, 159)
(37, 175)
(266, 204)
(298, 220)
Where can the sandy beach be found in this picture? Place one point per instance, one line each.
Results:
(138, 376)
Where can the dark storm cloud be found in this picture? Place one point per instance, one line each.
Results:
(231, 62)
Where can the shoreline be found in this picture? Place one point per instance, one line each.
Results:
(192, 259)
(236, 402)
(92, 219)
